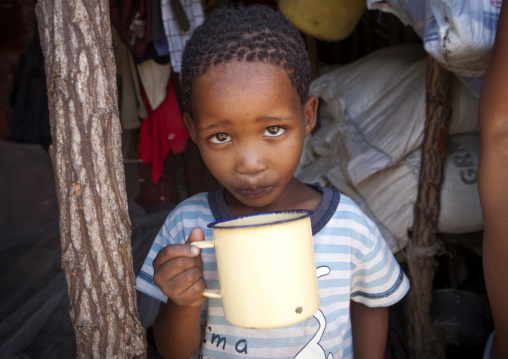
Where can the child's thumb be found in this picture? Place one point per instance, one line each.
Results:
(196, 235)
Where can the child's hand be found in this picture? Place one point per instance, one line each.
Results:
(178, 272)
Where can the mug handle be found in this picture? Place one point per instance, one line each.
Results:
(210, 293)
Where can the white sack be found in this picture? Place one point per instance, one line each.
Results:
(378, 103)
(464, 107)
(368, 147)
(460, 202)
(390, 195)
(458, 34)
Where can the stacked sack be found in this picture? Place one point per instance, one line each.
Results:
(458, 34)
(372, 119)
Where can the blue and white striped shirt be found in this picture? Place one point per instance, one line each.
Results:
(353, 262)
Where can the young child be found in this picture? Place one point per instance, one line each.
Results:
(245, 80)
(492, 182)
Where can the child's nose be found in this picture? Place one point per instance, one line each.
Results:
(250, 160)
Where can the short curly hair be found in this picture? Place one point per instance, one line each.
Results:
(255, 33)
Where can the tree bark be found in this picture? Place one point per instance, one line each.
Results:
(90, 182)
(424, 341)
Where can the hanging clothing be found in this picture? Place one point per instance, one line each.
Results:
(161, 46)
(131, 18)
(157, 34)
(154, 77)
(132, 107)
(156, 27)
(176, 36)
(30, 117)
(161, 132)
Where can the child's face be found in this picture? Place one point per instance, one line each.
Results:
(250, 126)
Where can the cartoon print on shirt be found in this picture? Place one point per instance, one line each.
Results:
(312, 350)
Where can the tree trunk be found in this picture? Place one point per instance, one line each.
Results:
(90, 182)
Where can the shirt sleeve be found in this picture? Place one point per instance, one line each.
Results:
(144, 280)
(377, 279)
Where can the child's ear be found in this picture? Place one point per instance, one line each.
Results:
(191, 126)
(310, 113)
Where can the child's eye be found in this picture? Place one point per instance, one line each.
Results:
(274, 131)
(220, 138)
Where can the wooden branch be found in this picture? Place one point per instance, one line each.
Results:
(423, 246)
(90, 182)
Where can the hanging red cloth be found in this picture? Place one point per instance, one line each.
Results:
(163, 130)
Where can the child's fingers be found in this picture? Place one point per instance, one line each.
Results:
(178, 271)
(189, 288)
(181, 280)
(180, 250)
(170, 269)
(174, 251)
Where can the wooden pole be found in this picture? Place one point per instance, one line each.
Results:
(311, 44)
(95, 227)
(423, 246)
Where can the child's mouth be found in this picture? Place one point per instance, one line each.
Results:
(255, 192)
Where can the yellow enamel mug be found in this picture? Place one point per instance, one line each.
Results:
(267, 272)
